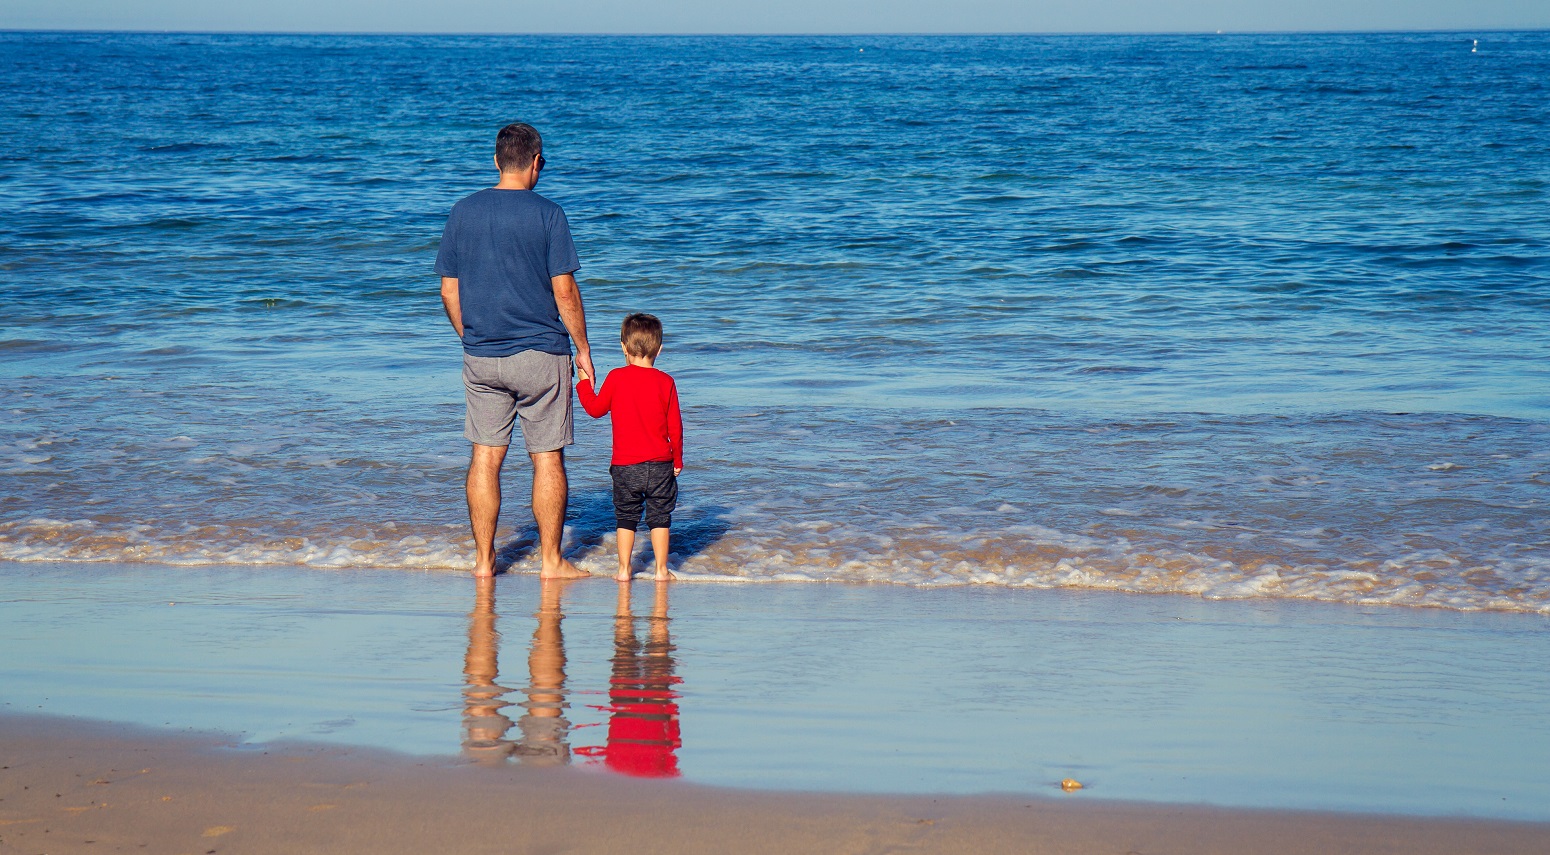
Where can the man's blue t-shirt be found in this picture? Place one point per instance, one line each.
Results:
(503, 246)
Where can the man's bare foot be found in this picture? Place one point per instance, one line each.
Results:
(484, 572)
(665, 575)
(563, 570)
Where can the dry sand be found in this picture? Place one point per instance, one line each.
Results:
(75, 786)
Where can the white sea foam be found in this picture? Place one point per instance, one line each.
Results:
(1344, 508)
(1021, 556)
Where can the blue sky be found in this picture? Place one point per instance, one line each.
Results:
(775, 16)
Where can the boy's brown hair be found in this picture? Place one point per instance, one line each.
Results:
(641, 335)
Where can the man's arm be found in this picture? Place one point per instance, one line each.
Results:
(450, 302)
(567, 296)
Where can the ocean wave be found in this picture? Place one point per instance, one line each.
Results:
(1016, 557)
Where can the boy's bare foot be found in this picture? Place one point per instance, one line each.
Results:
(563, 570)
(623, 576)
(665, 575)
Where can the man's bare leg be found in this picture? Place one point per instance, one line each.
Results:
(660, 537)
(551, 492)
(626, 551)
(484, 503)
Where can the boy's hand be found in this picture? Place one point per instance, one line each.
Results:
(583, 372)
(677, 470)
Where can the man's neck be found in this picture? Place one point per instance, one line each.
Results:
(515, 181)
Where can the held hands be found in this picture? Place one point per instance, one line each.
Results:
(584, 365)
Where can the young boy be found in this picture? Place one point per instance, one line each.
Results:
(648, 439)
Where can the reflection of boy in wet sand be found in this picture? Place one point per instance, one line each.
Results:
(648, 439)
(643, 736)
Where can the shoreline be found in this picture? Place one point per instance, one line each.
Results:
(599, 565)
(821, 688)
(71, 785)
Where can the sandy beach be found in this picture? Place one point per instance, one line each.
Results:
(387, 711)
(76, 786)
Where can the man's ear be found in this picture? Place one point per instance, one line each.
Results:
(497, 159)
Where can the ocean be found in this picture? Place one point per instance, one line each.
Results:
(1236, 317)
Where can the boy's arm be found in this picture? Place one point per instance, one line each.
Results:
(595, 404)
(675, 428)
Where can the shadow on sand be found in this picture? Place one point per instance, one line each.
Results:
(591, 520)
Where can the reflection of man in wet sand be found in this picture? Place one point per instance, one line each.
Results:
(544, 726)
(643, 736)
(485, 724)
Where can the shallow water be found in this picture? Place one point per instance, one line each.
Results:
(860, 688)
(1242, 317)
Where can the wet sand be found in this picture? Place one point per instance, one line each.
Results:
(884, 690)
(70, 785)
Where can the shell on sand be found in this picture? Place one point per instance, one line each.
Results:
(1070, 784)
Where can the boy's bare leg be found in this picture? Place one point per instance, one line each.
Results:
(660, 538)
(626, 550)
(550, 494)
(484, 503)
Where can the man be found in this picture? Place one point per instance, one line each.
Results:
(507, 268)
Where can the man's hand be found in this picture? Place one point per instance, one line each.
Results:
(584, 364)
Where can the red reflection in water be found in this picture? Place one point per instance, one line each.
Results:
(643, 735)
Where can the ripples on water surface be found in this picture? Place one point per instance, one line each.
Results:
(1238, 316)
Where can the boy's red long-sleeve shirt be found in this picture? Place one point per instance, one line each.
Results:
(646, 423)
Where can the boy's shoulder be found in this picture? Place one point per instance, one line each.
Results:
(640, 374)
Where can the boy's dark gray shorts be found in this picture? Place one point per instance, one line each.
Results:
(652, 486)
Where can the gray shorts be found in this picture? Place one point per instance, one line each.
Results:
(532, 385)
(651, 486)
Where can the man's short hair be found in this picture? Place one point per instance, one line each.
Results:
(516, 146)
(641, 335)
